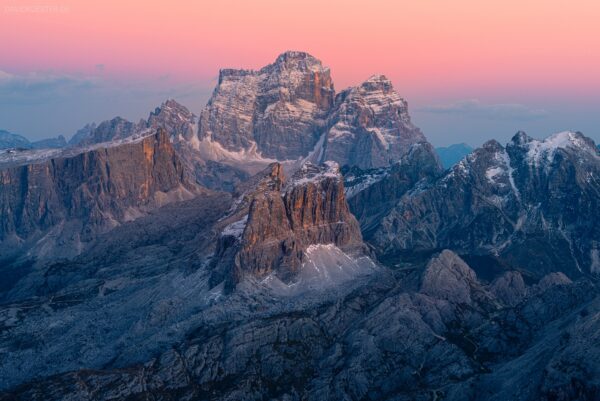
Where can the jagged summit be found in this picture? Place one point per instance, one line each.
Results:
(369, 126)
(288, 110)
(541, 151)
(298, 60)
(377, 78)
(171, 104)
(492, 144)
(521, 138)
(277, 221)
(280, 110)
(377, 82)
(289, 60)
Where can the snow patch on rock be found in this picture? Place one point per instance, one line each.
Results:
(325, 266)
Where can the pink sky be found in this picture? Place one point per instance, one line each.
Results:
(425, 45)
(537, 54)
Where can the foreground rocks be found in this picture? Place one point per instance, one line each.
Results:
(389, 339)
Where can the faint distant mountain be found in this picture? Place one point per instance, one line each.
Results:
(450, 155)
(10, 140)
(50, 143)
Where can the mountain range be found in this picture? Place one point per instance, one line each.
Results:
(293, 243)
(9, 140)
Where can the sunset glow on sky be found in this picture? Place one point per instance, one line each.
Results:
(539, 61)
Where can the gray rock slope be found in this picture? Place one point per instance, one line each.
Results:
(432, 332)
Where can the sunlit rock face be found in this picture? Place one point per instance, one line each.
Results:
(279, 110)
(279, 219)
(90, 192)
(369, 126)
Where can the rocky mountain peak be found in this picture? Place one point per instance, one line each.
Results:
(279, 110)
(274, 225)
(448, 277)
(521, 138)
(172, 107)
(82, 134)
(175, 118)
(493, 146)
(110, 130)
(288, 110)
(369, 126)
(377, 82)
(298, 60)
(502, 201)
(9, 140)
(539, 152)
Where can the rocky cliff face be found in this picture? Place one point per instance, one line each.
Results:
(97, 189)
(373, 193)
(369, 126)
(278, 110)
(533, 204)
(287, 111)
(279, 220)
(181, 126)
(179, 123)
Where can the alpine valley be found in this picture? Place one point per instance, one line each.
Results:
(290, 243)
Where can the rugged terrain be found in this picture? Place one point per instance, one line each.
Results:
(291, 243)
(532, 205)
(57, 205)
